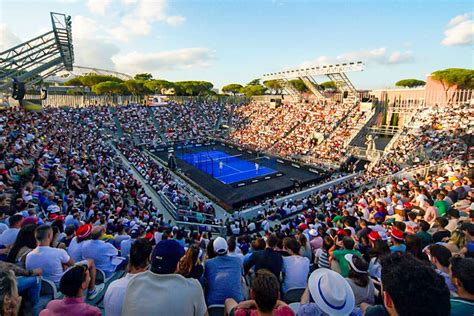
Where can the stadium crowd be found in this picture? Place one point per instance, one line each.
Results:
(74, 218)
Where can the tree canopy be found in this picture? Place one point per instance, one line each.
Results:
(299, 85)
(410, 83)
(193, 88)
(110, 88)
(274, 86)
(136, 87)
(328, 85)
(233, 88)
(143, 76)
(251, 90)
(462, 78)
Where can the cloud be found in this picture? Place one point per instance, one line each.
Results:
(368, 56)
(91, 49)
(141, 17)
(94, 53)
(460, 31)
(98, 6)
(135, 62)
(8, 39)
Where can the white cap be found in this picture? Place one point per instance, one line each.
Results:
(313, 232)
(220, 246)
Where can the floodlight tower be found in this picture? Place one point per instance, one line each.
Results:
(28, 63)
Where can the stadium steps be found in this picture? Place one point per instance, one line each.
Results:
(360, 138)
(201, 112)
(156, 124)
(117, 122)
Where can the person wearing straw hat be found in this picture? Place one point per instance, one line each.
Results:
(331, 293)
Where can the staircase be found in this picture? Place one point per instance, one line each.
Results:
(117, 122)
(359, 139)
(156, 124)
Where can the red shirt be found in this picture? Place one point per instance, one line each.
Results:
(280, 311)
(71, 306)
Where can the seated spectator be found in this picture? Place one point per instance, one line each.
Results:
(266, 259)
(321, 258)
(439, 256)
(426, 238)
(154, 292)
(126, 244)
(264, 294)
(50, 260)
(9, 298)
(190, 266)
(295, 267)
(359, 280)
(441, 233)
(24, 243)
(410, 288)
(330, 292)
(83, 233)
(8, 237)
(223, 267)
(398, 241)
(73, 283)
(102, 253)
(339, 255)
(139, 260)
(461, 272)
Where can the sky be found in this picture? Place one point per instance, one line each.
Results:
(235, 41)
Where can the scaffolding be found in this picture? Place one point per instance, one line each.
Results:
(34, 60)
(335, 73)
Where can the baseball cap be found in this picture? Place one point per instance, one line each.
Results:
(397, 234)
(220, 246)
(166, 256)
(313, 232)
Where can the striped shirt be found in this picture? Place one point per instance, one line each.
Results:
(323, 259)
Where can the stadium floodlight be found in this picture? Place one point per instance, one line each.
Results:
(40, 57)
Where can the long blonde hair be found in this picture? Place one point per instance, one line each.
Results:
(9, 298)
(458, 238)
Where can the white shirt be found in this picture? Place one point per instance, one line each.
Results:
(75, 250)
(8, 237)
(113, 299)
(296, 269)
(50, 260)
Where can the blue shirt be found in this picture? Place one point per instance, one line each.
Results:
(400, 248)
(102, 253)
(223, 276)
(125, 247)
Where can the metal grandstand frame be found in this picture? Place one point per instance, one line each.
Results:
(66, 74)
(40, 57)
(335, 73)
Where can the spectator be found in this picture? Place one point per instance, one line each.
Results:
(441, 233)
(190, 266)
(264, 294)
(339, 255)
(139, 260)
(8, 237)
(126, 244)
(24, 243)
(223, 267)
(295, 267)
(456, 242)
(398, 241)
(461, 271)
(266, 259)
(9, 298)
(413, 246)
(439, 256)
(83, 233)
(154, 292)
(50, 260)
(104, 255)
(305, 250)
(426, 238)
(322, 255)
(73, 283)
(377, 252)
(359, 280)
(410, 288)
(330, 292)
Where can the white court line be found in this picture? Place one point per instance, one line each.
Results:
(233, 174)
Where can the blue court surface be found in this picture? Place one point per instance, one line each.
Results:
(223, 167)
